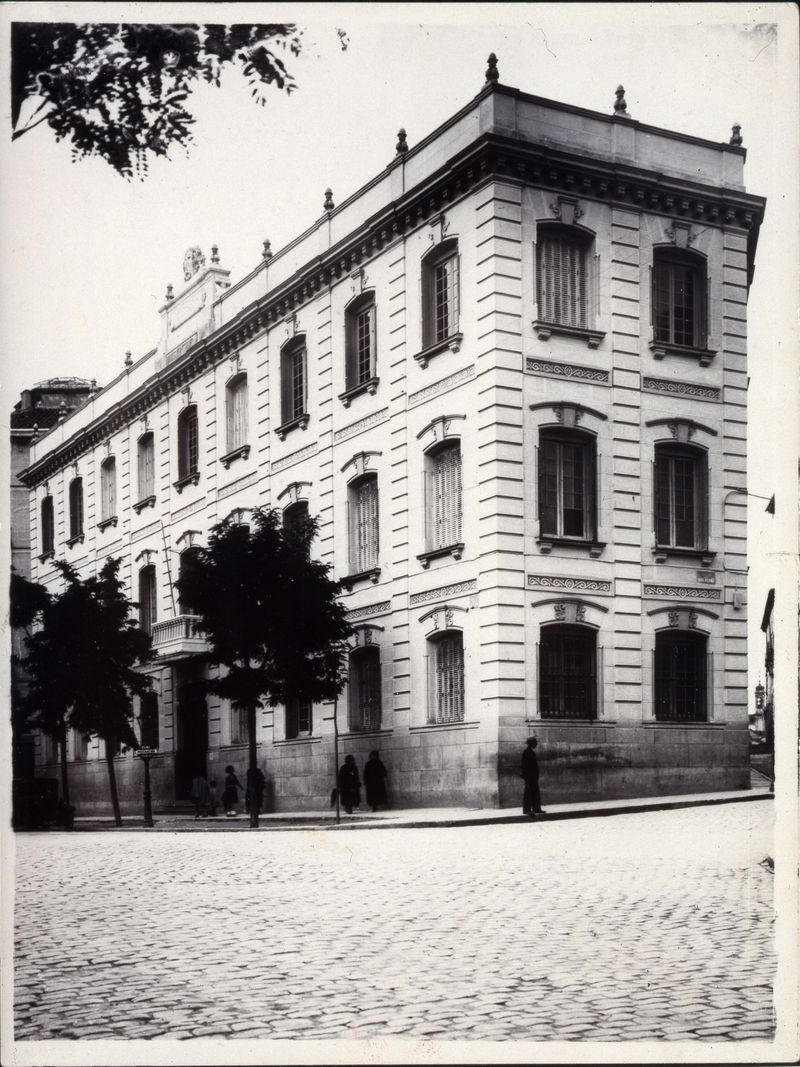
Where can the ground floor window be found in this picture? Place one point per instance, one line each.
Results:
(681, 676)
(298, 717)
(238, 726)
(365, 689)
(80, 746)
(446, 678)
(568, 673)
(148, 720)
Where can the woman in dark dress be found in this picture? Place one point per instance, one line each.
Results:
(349, 784)
(230, 795)
(375, 780)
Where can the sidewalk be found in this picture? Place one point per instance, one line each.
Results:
(408, 818)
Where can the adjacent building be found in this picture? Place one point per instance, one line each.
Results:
(509, 377)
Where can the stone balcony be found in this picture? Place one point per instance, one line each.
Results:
(176, 639)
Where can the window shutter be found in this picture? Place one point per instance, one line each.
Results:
(351, 541)
(704, 312)
(600, 681)
(595, 491)
(286, 387)
(455, 293)
(702, 481)
(372, 539)
(537, 481)
(652, 295)
(351, 350)
(426, 304)
(429, 687)
(373, 349)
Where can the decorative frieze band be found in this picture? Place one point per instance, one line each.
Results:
(370, 609)
(293, 457)
(442, 386)
(240, 483)
(190, 509)
(681, 592)
(444, 591)
(688, 389)
(375, 419)
(146, 531)
(586, 585)
(566, 370)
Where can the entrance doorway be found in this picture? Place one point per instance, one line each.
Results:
(192, 730)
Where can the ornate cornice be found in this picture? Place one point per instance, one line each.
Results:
(680, 592)
(588, 585)
(444, 591)
(490, 156)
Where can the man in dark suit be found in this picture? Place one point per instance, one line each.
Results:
(531, 799)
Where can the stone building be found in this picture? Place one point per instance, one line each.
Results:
(508, 375)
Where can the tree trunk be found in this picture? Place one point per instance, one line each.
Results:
(112, 785)
(62, 746)
(251, 745)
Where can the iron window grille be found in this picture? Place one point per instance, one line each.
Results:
(567, 673)
(682, 669)
(446, 679)
(365, 689)
(679, 300)
(568, 479)
(188, 442)
(681, 498)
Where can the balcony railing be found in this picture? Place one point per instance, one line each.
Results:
(174, 638)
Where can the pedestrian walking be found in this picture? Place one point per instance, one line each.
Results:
(375, 780)
(254, 792)
(230, 794)
(531, 798)
(201, 795)
(349, 784)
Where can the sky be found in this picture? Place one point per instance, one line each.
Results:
(86, 255)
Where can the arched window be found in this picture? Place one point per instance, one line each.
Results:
(362, 522)
(360, 368)
(188, 447)
(681, 676)
(365, 688)
(440, 293)
(567, 672)
(446, 678)
(296, 515)
(567, 484)
(562, 273)
(679, 298)
(108, 489)
(298, 717)
(185, 560)
(75, 510)
(148, 720)
(681, 497)
(47, 526)
(293, 381)
(236, 412)
(442, 487)
(147, 598)
(146, 463)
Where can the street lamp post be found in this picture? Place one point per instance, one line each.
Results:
(145, 754)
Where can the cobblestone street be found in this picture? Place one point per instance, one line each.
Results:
(655, 925)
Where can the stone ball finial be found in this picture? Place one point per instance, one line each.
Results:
(215, 253)
(736, 134)
(328, 204)
(128, 359)
(62, 410)
(620, 104)
(170, 294)
(267, 251)
(492, 73)
(402, 143)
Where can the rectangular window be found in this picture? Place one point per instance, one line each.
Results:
(365, 689)
(680, 499)
(298, 718)
(293, 383)
(566, 487)
(363, 521)
(188, 444)
(681, 677)
(443, 489)
(108, 490)
(147, 598)
(148, 720)
(445, 299)
(237, 413)
(678, 302)
(146, 467)
(239, 726)
(561, 263)
(80, 747)
(48, 525)
(567, 673)
(448, 679)
(76, 508)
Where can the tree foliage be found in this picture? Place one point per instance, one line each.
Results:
(271, 615)
(119, 91)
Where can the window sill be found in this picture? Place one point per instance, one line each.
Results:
(286, 427)
(543, 331)
(662, 553)
(45, 556)
(595, 548)
(689, 724)
(145, 502)
(369, 386)
(77, 540)
(105, 523)
(242, 452)
(189, 479)
(453, 343)
(376, 731)
(349, 580)
(472, 724)
(456, 551)
(661, 349)
(304, 739)
(555, 721)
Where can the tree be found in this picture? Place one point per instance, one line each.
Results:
(271, 616)
(81, 659)
(119, 91)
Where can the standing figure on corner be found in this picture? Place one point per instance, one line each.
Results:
(531, 799)
(375, 780)
(349, 784)
(230, 795)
